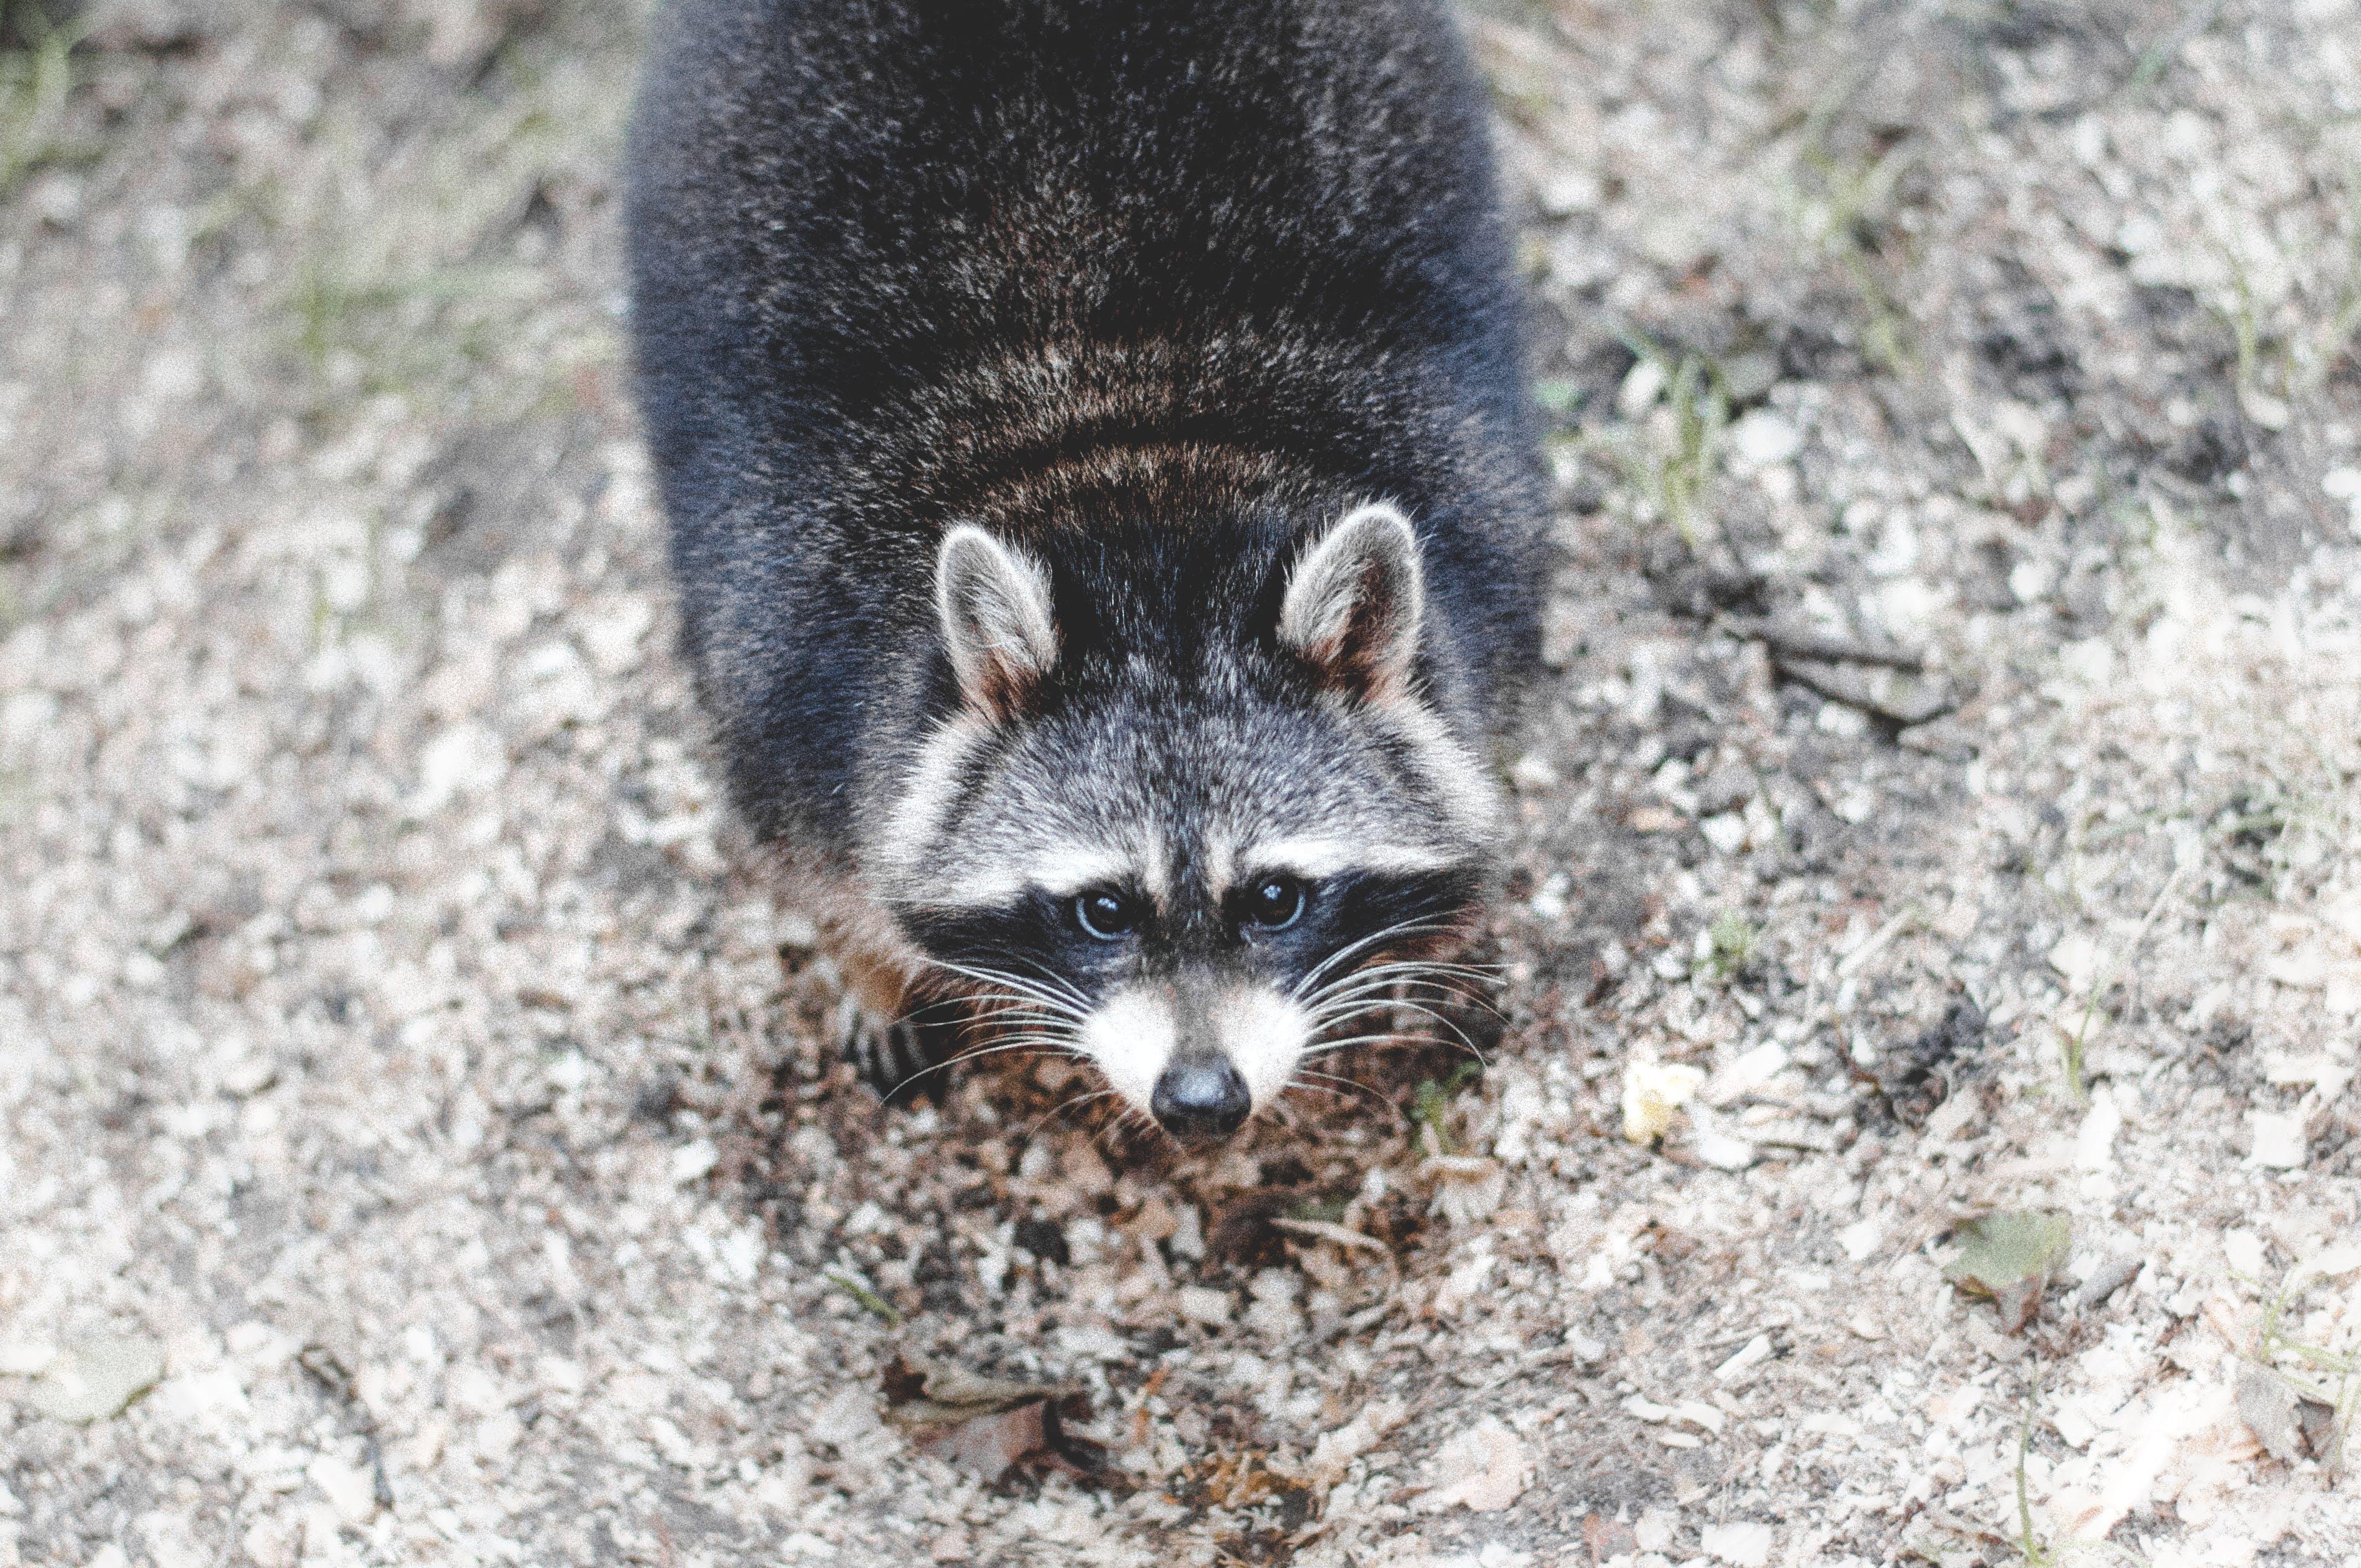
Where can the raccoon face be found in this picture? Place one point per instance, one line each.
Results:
(1192, 832)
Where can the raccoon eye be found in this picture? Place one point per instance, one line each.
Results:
(1106, 914)
(1275, 904)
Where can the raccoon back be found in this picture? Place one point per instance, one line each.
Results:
(892, 260)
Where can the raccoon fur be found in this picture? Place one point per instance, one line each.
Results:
(1105, 502)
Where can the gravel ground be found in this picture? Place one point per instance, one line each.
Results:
(1944, 802)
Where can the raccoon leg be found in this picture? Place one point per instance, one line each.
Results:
(892, 1054)
(898, 1035)
(895, 1030)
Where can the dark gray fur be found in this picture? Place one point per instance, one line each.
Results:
(1154, 290)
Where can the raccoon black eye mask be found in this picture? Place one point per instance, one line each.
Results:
(1105, 505)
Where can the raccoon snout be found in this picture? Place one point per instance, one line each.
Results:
(1199, 1052)
(1200, 1097)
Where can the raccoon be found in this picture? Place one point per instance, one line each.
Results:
(1105, 502)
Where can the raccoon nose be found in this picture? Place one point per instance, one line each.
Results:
(1201, 1098)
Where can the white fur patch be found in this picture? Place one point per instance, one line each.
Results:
(1064, 872)
(1129, 1040)
(1060, 870)
(1264, 1035)
(1314, 857)
(918, 817)
(1467, 790)
(1221, 862)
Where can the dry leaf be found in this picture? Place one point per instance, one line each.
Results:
(990, 1442)
(2290, 1426)
(2267, 1405)
(984, 1424)
(1608, 1537)
(1337, 1450)
(97, 1377)
(1484, 1469)
(1654, 1093)
(2009, 1257)
(1467, 1187)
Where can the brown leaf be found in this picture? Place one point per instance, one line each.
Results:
(1607, 1537)
(2268, 1407)
(2017, 1303)
(989, 1444)
(921, 1380)
(985, 1424)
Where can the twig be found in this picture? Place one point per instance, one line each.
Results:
(1787, 641)
(327, 1369)
(1320, 1229)
(1820, 680)
(1851, 962)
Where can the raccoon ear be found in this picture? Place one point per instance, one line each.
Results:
(994, 603)
(1354, 604)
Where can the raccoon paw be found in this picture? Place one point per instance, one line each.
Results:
(890, 1054)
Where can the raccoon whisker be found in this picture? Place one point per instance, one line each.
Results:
(1425, 970)
(1438, 967)
(1058, 1112)
(984, 1011)
(1050, 1005)
(1372, 1009)
(1075, 1006)
(981, 994)
(990, 1018)
(988, 975)
(1336, 1009)
(1045, 1045)
(1304, 1074)
(1411, 969)
(1396, 984)
(1456, 1032)
(1038, 977)
(1393, 933)
(1371, 1042)
(1393, 994)
(1460, 965)
(1346, 954)
(1391, 968)
(1349, 1016)
(1445, 1008)
(1330, 1048)
(1049, 1045)
(1016, 1015)
(1042, 1044)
